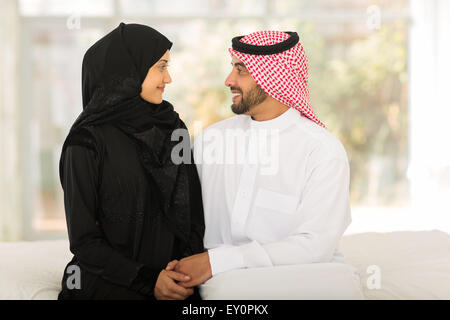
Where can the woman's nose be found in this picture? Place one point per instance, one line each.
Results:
(168, 78)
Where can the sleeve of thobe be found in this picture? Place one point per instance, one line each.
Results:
(87, 242)
(323, 213)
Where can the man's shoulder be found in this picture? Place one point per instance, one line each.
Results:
(321, 140)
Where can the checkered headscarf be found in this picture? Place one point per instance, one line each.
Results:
(277, 62)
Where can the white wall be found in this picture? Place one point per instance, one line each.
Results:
(430, 112)
(10, 221)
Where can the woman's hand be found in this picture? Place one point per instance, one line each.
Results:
(167, 289)
(196, 266)
(171, 265)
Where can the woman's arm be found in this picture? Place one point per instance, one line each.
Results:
(197, 215)
(79, 176)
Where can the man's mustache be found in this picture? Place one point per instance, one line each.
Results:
(236, 89)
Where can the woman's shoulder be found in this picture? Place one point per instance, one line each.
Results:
(87, 137)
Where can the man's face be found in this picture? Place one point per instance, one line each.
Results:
(246, 92)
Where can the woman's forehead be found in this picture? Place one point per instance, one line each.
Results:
(166, 55)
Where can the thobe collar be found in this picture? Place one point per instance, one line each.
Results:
(286, 119)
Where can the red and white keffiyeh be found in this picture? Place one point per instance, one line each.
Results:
(277, 62)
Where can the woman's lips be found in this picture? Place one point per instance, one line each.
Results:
(161, 88)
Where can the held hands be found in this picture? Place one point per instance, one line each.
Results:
(176, 282)
(166, 287)
(196, 266)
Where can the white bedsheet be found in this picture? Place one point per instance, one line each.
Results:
(412, 265)
(32, 270)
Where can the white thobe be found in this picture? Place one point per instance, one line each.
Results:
(275, 192)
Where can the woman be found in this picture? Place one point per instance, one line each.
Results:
(129, 209)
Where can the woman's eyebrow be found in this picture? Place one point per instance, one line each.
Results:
(164, 60)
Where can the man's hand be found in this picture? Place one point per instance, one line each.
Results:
(196, 266)
(167, 289)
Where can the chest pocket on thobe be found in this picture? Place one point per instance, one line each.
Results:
(272, 216)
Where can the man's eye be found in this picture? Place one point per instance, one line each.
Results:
(240, 70)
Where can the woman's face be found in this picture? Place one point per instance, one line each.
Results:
(155, 81)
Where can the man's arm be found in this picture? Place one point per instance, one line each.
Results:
(324, 214)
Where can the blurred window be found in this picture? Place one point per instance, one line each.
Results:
(357, 54)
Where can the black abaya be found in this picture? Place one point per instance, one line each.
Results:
(129, 209)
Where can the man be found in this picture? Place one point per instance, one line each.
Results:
(290, 212)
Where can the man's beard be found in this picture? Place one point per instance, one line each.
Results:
(253, 97)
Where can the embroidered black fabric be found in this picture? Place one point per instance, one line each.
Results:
(118, 129)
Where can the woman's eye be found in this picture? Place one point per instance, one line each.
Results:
(163, 67)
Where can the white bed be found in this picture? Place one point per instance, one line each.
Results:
(409, 264)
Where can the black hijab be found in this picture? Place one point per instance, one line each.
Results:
(113, 71)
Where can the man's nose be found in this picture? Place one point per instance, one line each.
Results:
(230, 80)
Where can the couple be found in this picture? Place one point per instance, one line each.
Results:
(142, 226)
